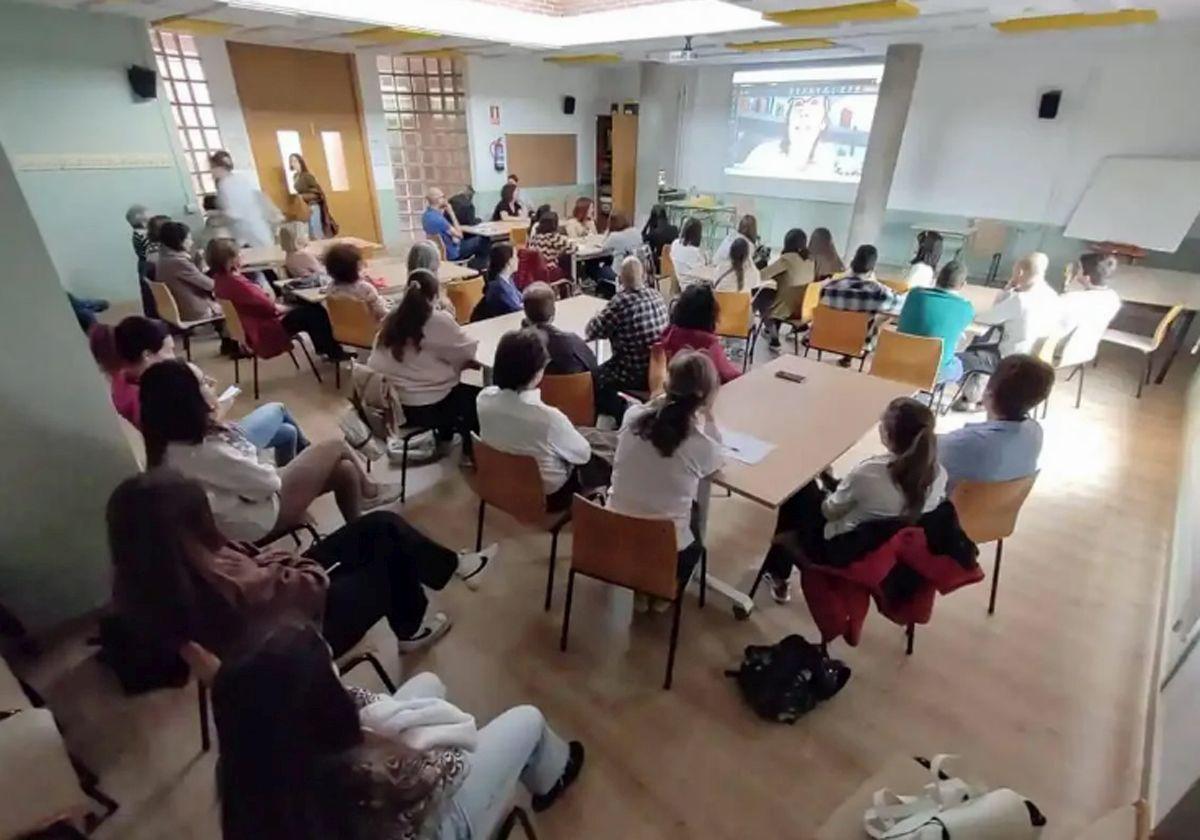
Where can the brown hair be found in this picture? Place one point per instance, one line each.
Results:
(691, 380)
(538, 300)
(343, 262)
(582, 205)
(406, 323)
(548, 222)
(220, 254)
(739, 255)
(748, 227)
(520, 356)
(1020, 382)
(908, 427)
(617, 222)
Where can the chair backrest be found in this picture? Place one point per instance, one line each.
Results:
(900, 287)
(573, 394)
(987, 510)
(509, 482)
(668, 264)
(912, 359)
(352, 321)
(810, 299)
(203, 662)
(839, 330)
(734, 316)
(438, 243)
(465, 295)
(164, 301)
(233, 323)
(625, 550)
(1160, 332)
(519, 236)
(1047, 347)
(656, 374)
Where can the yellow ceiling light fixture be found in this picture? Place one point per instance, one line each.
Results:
(783, 45)
(184, 25)
(589, 58)
(435, 53)
(1078, 20)
(389, 35)
(849, 13)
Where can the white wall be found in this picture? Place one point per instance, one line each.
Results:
(377, 148)
(214, 57)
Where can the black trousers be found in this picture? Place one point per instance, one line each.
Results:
(312, 318)
(379, 566)
(610, 381)
(982, 356)
(800, 514)
(594, 474)
(455, 413)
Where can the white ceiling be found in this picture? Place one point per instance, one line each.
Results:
(941, 22)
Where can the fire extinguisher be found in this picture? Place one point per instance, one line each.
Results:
(497, 150)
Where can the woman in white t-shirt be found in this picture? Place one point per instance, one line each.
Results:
(688, 257)
(924, 264)
(738, 273)
(665, 448)
(905, 482)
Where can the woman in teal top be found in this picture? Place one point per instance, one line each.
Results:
(940, 312)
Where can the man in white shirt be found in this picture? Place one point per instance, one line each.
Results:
(1089, 309)
(513, 419)
(1026, 311)
(250, 213)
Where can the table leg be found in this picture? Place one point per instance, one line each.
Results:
(737, 598)
(1182, 329)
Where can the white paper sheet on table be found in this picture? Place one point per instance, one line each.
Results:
(745, 448)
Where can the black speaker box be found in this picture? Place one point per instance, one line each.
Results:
(144, 82)
(568, 104)
(1048, 105)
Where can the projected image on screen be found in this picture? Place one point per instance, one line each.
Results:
(803, 123)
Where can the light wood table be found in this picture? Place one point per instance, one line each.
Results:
(570, 315)
(272, 256)
(981, 297)
(1165, 288)
(811, 425)
(495, 230)
(392, 270)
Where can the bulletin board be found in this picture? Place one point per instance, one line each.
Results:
(543, 160)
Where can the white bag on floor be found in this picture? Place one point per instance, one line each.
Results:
(952, 809)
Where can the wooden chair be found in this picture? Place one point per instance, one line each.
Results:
(353, 325)
(839, 331)
(1146, 345)
(900, 287)
(441, 246)
(802, 313)
(237, 332)
(629, 551)
(465, 295)
(735, 319)
(668, 274)
(513, 484)
(573, 394)
(987, 511)
(656, 374)
(912, 359)
(168, 310)
(518, 236)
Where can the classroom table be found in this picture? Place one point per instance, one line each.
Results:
(1165, 288)
(811, 424)
(394, 270)
(272, 256)
(495, 230)
(570, 315)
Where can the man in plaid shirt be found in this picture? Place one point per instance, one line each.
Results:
(861, 292)
(632, 321)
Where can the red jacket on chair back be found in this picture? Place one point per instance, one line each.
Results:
(532, 268)
(260, 319)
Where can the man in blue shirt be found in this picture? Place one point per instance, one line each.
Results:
(439, 220)
(940, 312)
(1007, 445)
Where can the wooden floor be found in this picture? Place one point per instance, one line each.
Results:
(1047, 696)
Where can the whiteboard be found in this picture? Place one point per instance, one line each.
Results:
(1148, 202)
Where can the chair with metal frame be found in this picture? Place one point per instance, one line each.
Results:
(633, 552)
(802, 312)
(465, 296)
(988, 511)
(237, 332)
(912, 359)
(735, 319)
(353, 326)
(1146, 345)
(839, 331)
(168, 311)
(573, 394)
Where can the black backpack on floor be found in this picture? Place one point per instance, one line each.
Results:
(785, 680)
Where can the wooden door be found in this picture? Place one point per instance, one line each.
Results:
(307, 100)
(624, 163)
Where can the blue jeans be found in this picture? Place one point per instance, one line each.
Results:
(952, 371)
(272, 426)
(315, 229)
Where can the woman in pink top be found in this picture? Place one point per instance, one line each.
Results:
(298, 261)
(343, 263)
(694, 325)
(124, 352)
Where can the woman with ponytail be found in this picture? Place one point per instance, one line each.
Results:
(664, 449)
(423, 352)
(791, 273)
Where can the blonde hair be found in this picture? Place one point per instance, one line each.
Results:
(292, 239)
(632, 272)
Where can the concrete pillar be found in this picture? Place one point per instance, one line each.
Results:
(661, 92)
(887, 130)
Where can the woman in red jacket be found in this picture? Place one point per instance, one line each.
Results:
(269, 327)
(694, 325)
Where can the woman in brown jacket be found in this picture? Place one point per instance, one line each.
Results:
(178, 580)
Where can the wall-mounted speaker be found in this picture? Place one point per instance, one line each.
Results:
(568, 105)
(1048, 104)
(143, 81)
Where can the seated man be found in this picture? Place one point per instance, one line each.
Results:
(1007, 445)
(513, 419)
(940, 312)
(439, 220)
(1025, 312)
(859, 291)
(1088, 310)
(568, 352)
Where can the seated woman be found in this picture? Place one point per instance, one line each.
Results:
(747, 228)
(126, 351)
(664, 449)
(623, 240)
(828, 263)
(178, 578)
(924, 264)
(423, 351)
(555, 248)
(904, 483)
(583, 219)
(509, 208)
(343, 264)
(304, 757)
(659, 233)
(250, 500)
(500, 295)
(693, 327)
(269, 327)
(298, 261)
(739, 273)
(791, 273)
(191, 287)
(688, 257)
(513, 419)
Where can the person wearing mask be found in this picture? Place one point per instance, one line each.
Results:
(905, 482)
(423, 352)
(622, 240)
(826, 261)
(308, 188)
(859, 291)
(304, 757)
(269, 327)
(509, 208)
(1008, 444)
(632, 322)
(665, 448)
(191, 287)
(298, 261)
(251, 214)
(463, 205)
(555, 248)
(439, 221)
(567, 351)
(941, 312)
(500, 295)
(791, 273)
(1089, 305)
(343, 264)
(688, 256)
(582, 222)
(1026, 311)
(694, 327)
(925, 263)
(513, 419)
(659, 233)
(738, 272)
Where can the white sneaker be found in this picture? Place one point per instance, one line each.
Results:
(472, 565)
(660, 605)
(385, 494)
(432, 629)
